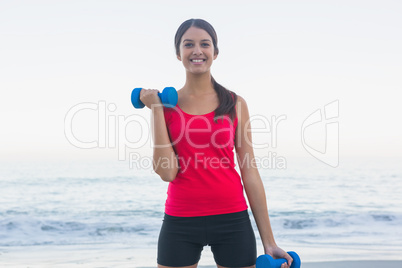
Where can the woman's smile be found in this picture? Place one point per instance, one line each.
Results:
(197, 61)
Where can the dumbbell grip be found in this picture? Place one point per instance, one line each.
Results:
(160, 95)
(278, 262)
(266, 261)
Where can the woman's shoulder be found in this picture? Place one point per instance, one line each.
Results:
(241, 102)
(242, 109)
(240, 99)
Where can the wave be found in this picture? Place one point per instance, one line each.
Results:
(21, 228)
(308, 220)
(24, 230)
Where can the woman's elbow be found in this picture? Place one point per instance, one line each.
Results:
(167, 175)
(168, 179)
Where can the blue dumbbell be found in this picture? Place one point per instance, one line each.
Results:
(168, 97)
(266, 261)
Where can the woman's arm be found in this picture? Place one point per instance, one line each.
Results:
(252, 182)
(165, 162)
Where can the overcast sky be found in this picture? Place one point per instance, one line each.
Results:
(288, 59)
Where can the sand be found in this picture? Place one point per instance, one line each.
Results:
(351, 264)
(98, 256)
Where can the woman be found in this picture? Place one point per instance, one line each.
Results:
(193, 151)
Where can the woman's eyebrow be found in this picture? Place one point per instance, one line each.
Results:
(203, 40)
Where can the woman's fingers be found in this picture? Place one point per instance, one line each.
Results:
(149, 97)
(289, 260)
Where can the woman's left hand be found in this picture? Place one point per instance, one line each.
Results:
(278, 253)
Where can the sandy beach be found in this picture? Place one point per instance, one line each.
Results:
(98, 256)
(354, 264)
(342, 264)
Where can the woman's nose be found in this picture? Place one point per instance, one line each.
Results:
(197, 50)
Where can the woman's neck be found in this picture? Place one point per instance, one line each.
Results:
(198, 84)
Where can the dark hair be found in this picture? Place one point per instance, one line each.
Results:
(227, 98)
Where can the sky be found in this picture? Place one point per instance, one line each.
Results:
(321, 78)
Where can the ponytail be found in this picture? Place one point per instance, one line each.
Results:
(227, 101)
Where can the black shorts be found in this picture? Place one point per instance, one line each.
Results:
(230, 236)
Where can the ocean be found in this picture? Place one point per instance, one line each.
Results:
(323, 213)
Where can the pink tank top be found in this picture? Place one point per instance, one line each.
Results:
(207, 182)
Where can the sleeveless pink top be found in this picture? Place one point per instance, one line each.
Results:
(207, 182)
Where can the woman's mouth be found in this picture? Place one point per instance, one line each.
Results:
(197, 61)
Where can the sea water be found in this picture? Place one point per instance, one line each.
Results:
(323, 213)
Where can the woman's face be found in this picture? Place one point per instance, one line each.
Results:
(196, 50)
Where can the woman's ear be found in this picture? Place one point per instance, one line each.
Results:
(216, 52)
(178, 57)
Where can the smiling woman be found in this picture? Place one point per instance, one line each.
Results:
(206, 203)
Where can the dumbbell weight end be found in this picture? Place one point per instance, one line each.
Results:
(266, 261)
(168, 97)
(135, 98)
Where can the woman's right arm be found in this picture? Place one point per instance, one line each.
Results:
(165, 162)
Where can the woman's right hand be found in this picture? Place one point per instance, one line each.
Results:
(150, 97)
(278, 253)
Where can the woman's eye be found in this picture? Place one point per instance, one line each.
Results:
(190, 45)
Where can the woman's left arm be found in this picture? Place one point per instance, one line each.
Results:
(252, 182)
